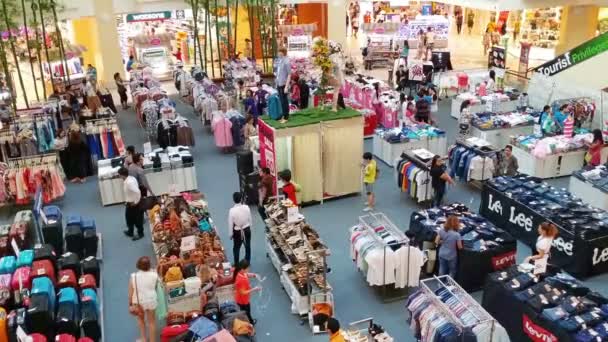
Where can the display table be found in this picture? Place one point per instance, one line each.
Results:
(500, 137)
(580, 256)
(592, 194)
(388, 152)
(554, 165)
(473, 265)
(502, 106)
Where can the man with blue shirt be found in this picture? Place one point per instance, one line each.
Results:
(283, 76)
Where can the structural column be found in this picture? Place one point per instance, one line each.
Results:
(578, 24)
(336, 21)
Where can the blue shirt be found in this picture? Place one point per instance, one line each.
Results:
(283, 71)
(449, 244)
(560, 117)
(130, 64)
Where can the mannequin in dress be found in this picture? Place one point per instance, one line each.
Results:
(336, 78)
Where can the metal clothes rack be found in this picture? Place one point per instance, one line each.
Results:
(430, 285)
(35, 160)
(477, 150)
(375, 220)
(412, 157)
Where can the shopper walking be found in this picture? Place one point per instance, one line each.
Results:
(243, 289)
(92, 74)
(430, 43)
(370, 173)
(486, 40)
(450, 242)
(239, 224)
(178, 55)
(491, 82)
(92, 100)
(516, 29)
(355, 26)
(122, 90)
(401, 77)
(130, 63)
(423, 108)
(593, 156)
(470, 21)
(129, 155)
(459, 21)
(282, 82)
(265, 188)
(405, 52)
(333, 328)
(507, 165)
(439, 178)
(546, 233)
(464, 121)
(134, 215)
(142, 298)
(78, 158)
(136, 169)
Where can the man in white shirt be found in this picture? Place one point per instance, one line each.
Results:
(133, 212)
(239, 223)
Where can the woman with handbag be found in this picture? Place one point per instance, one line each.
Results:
(142, 298)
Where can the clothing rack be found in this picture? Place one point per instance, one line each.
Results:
(413, 157)
(468, 144)
(41, 159)
(374, 220)
(430, 285)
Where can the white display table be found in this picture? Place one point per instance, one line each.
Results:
(161, 181)
(500, 137)
(299, 303)
(592, 195)
(554, 165)
(503, 106)
(388, 152)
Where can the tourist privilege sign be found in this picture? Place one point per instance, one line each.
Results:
(149, 16)
(577, 55)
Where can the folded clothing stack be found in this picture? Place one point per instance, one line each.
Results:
(557, 205)
(478, 234)
(410, 132)
(489, 120)
(543, 146)
(597, 176)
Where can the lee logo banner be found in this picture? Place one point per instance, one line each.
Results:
(536, 332)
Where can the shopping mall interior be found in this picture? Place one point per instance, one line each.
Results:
(412, 170)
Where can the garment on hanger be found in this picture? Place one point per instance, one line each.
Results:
(469, 164)
(414, 180)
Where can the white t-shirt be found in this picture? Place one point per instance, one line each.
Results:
(543, 243)
(430, 38)
(490, 86)
(144, 287)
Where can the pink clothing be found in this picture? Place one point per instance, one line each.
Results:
(222, 132)
(569, 126)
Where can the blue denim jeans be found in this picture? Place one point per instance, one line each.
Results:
(448, 267)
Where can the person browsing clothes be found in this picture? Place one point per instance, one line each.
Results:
(439, 178)
(239, 223)
(507, 165)
(546, 233)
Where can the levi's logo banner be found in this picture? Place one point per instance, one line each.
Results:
(503, 261)
(536, 332)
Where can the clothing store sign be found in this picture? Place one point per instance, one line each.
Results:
(149, 16)
(579, 54)
(536, 332)
(500, 262)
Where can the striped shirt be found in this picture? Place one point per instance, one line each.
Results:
(568, 126)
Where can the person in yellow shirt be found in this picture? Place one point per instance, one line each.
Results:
(491, 26)
(333, 328)
(370, 173)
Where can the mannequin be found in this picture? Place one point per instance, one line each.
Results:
(336, 78)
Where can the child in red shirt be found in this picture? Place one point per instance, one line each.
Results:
(289, 189)
(242, 288)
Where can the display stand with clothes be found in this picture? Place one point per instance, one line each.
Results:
(499, 128)
(413, 175)
(486, 247)
(472, 159)
(371, 332)
(167, 170)
(497, 102)
(555, 156)
(174, 132)
(550, 306)
(382, 252)
(521, 203)
(28, 134)
(459, 80)
(592, 185)
(291, 241)
(389, 144)
(104, 139)
(441, 310)
(323, 156)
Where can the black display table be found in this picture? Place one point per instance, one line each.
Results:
(473, 266)
(520, 321)
(580, 257)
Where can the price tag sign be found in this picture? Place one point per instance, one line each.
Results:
(540, 266)
(147, 148)
(293, 214)
(188, 243)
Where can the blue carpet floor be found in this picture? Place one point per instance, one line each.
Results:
(217, 179)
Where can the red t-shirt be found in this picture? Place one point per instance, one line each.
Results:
(241, 284)
(290, 191)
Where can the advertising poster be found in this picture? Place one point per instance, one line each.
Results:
(267, 150)
(524, 57)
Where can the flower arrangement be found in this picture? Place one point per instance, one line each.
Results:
(320, 55)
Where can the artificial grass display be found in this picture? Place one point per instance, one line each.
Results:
(311, 116)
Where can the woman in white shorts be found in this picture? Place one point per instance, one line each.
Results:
(142, 291)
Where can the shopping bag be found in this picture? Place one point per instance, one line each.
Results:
(161, 300)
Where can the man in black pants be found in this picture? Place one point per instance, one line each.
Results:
(239, 223)
(133, 212)
(265, 191)
(282, 82)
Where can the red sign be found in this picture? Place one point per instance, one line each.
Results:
(503, 16)
(503, 261)
(536, 332)
(267, 150)
(155, 41)
(524, 57)
(379, 30)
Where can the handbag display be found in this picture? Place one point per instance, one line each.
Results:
(136, 309)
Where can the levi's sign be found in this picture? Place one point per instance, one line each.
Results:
(577, 55)
(150, 16)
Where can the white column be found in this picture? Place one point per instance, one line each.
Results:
(336, 21)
